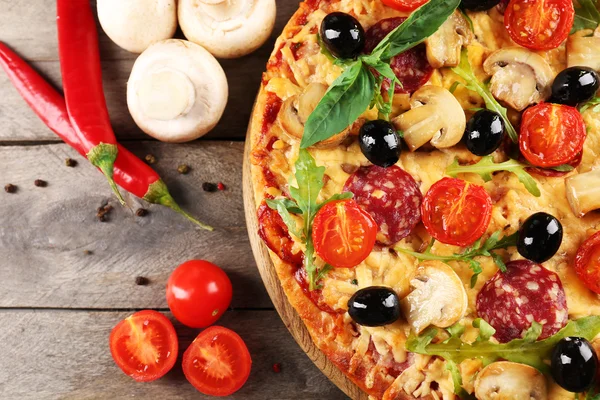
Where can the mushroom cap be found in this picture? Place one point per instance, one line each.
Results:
(177, 91)
(506, 380)
(134, 25)
(227, 28)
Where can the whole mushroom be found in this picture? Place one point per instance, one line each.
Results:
(505, 380)
(177, 91)
(227, 28)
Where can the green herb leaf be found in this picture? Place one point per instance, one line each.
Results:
(586, 16)
(280, 206)
(486, 166)
(336, 197)
(456, 377)
(465, 71)
(456, 330)
(486, 331)
(290, 204)
(469, 20)
(593, 103)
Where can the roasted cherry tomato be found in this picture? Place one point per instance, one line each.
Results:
(217, 363)
(404, 5)
(456, 212)
(587, 263)
(551, 134)
(198, 293)
(343, 233)
(275, 234)
(144, 345)
(539, 24)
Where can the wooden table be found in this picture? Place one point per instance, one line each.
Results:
(66, 279)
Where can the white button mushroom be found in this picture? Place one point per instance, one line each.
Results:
(177, 91)
(519, 77)
(438, 297)
(136, 24)
(582, 51)
(435, 116)
(227, 28)
(583, 192)
(505, 380)
(444, 46)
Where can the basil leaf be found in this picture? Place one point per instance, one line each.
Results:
(586, 16)
(346, 99)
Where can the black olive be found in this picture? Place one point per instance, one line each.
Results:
(343, 35)
(380, 143)
(540, 237)
(484, 133)
(478, 5)
(575, 85)
(574, 364)
(374, 306)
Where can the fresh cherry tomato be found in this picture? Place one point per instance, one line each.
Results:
(217, 363)
(404, 5)
(551, 134)
(343, 233)
(587, 263)
(539, 24)
(144, 345)
(456, 212)
(198, 293)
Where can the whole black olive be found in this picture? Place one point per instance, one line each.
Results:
(478, 5)
(343, 35)
(380, 143)
(574, 364)
(484, 133)
(575, 85)
(374, 306)
(540, 237)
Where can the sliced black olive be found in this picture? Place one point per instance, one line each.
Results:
(380, 143)
(540, 237)
(574, 364)
(374, 306)
(574, 86)
(343, 35)
(478, 5)
(484, 133)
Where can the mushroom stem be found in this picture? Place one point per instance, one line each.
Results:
(419, 126)
(583, 192)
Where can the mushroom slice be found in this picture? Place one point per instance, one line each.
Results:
(136, 24)
(227, 28)
(583, 51)
(435, 116)
(519, 77)
(444, 46)
(505, 380)
(583, 192)
(438, 297)
(177, 91)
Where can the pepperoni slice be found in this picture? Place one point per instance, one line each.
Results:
(527, 292)
(411, 67)
(275, 234)
(391, 196)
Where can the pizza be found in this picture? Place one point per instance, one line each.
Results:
(425, 179)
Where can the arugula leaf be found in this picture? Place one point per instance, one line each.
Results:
(282, 206)
(594, 104)
(486, 331)
(486, 166)
(465, 71)
(336, 197)
(586, 16)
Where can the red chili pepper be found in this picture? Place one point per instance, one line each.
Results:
(130, 172)
(82, 81)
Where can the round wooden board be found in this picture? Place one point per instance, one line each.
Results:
(290, 317)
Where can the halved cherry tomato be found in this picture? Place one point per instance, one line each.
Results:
(217, 363)
(198, 293)
(539, 24)
(404, 5)
(551, 134)
(456, 212)
(343, 233)
(144, 345)
(587, 263)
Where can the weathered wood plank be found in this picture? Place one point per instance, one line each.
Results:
(58, 354)
(44, 231)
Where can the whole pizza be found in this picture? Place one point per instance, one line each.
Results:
(425, 179)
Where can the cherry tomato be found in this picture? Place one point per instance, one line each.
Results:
(217, 363)
(198, 293)
(456, 212)
(144, 345)
(539, 24)
(343, 233)
(587, 263)
(276, 236)
(404, 5)
(551, 134)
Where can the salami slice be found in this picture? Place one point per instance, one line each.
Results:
(527, 292)
(391, 196)
(411, 67)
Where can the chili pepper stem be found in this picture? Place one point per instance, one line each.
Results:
(159, 194)
(103, 156)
